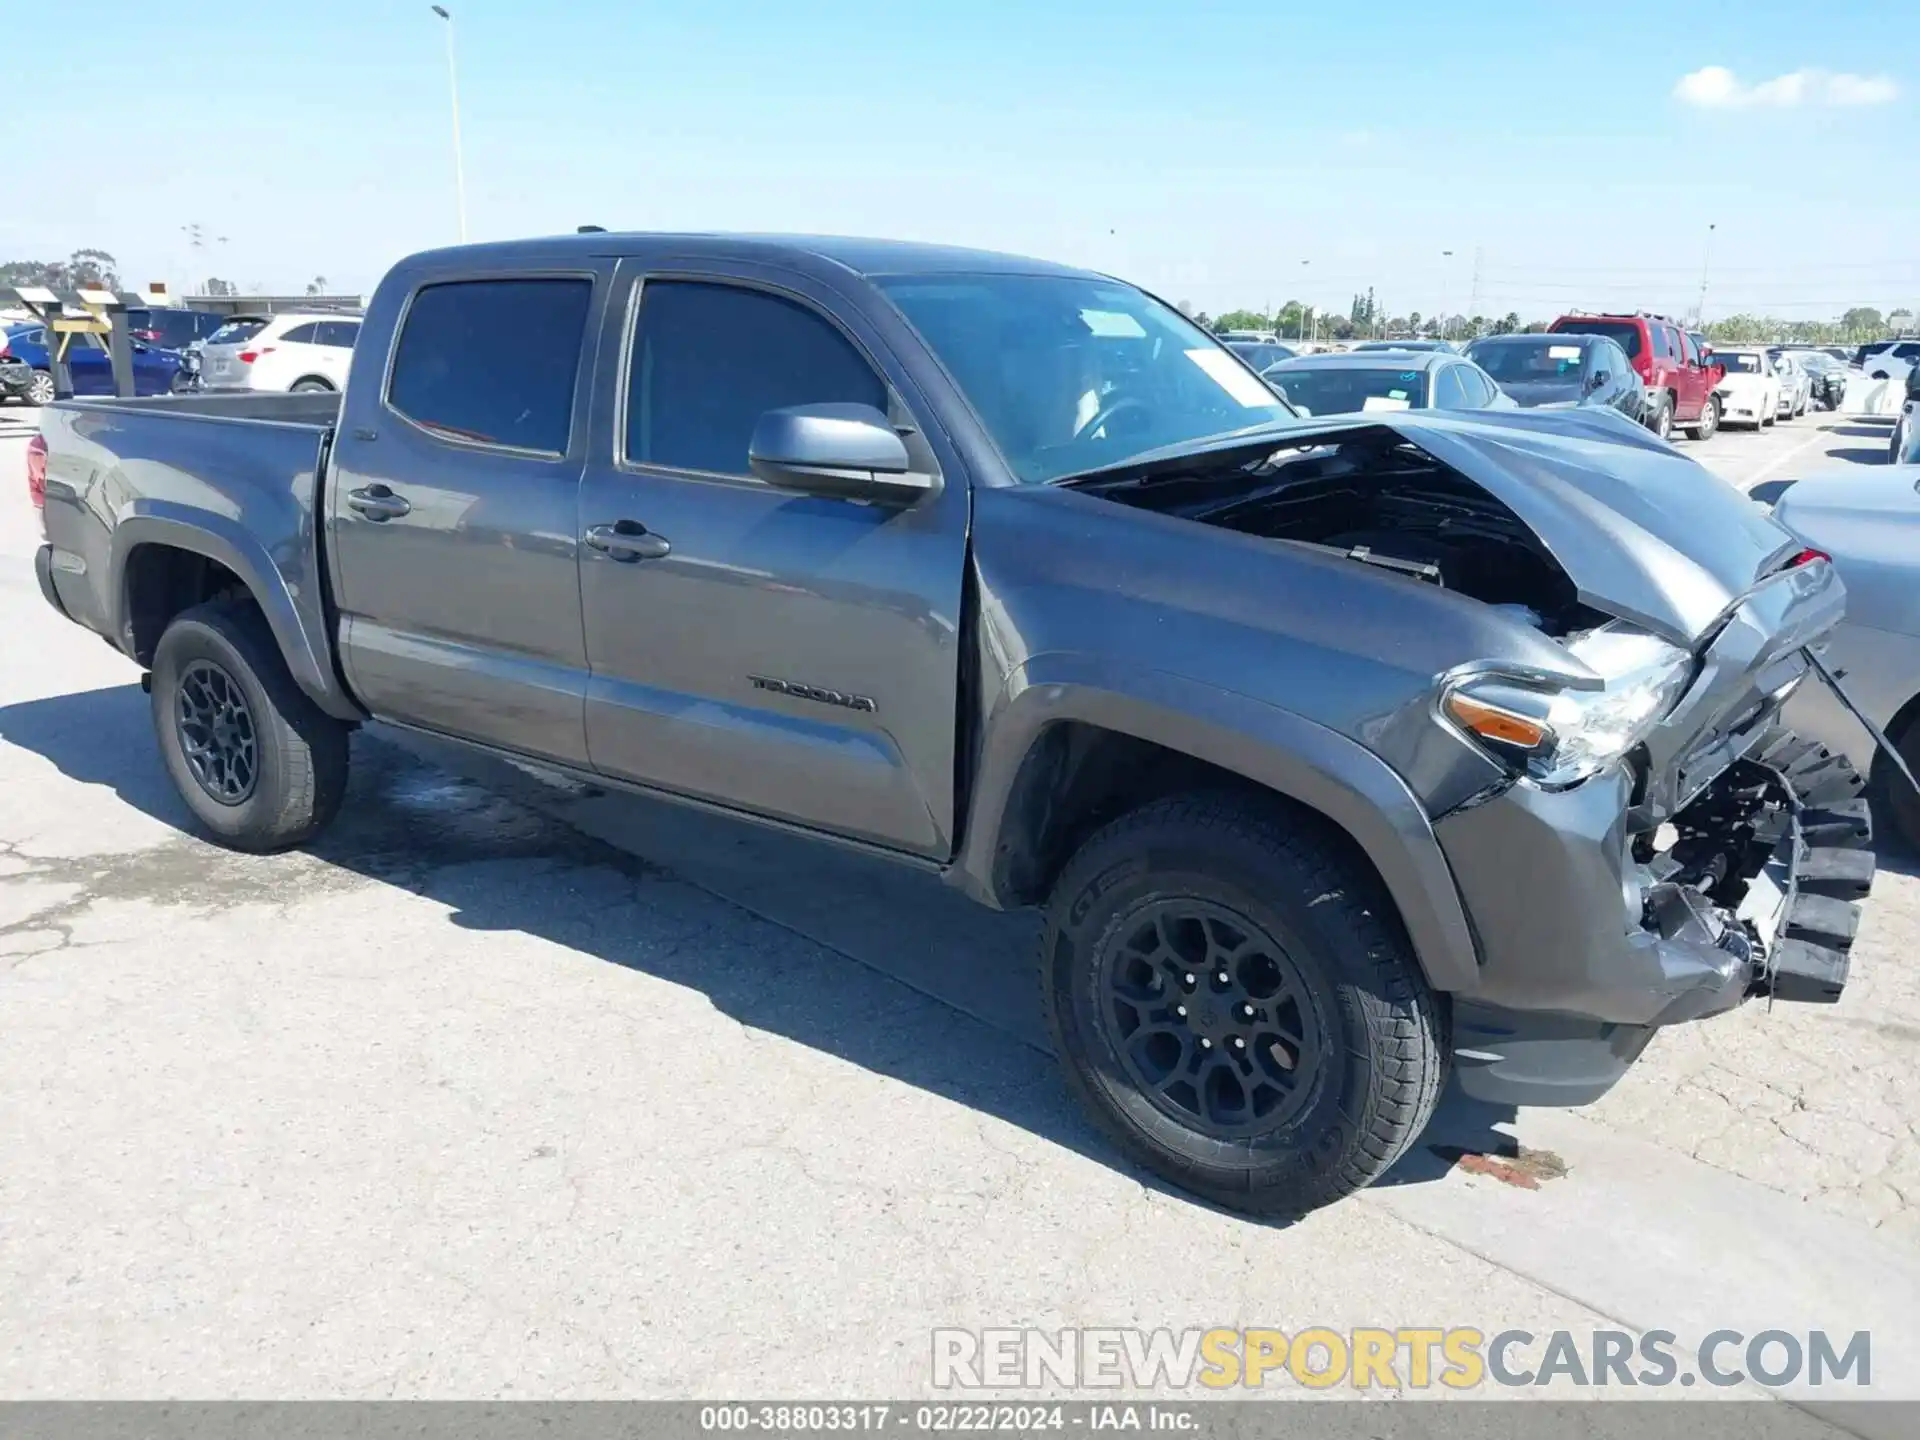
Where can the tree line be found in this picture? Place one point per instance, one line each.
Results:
(86, 270)
(1366, 319)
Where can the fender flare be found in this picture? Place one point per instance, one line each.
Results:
(308, 655)
(1275, 748)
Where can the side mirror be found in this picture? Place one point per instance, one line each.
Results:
(848, 452)
(1597, 379)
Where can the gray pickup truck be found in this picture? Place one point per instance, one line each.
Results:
(1342, 754)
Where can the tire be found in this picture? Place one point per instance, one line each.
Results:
(308, 386)
(1661, 421)
(1323, 954)
(1890, 798)
(40, 388)
(1709, 422)
(225, 659)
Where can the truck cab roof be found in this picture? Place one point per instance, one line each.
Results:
(803, 252)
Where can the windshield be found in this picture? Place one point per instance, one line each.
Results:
(236, 332)
(1337, 390)
(1739, 362)
(1543, 362)
(1625, 332)
(1816, 360)
(1070, 374)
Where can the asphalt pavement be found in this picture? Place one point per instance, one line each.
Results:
(500, 1090)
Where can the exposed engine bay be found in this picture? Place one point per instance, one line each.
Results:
(1378, 500)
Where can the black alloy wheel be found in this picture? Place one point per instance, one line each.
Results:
(1210, 1018)
(217, 734)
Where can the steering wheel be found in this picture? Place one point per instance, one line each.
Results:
(1117, 406)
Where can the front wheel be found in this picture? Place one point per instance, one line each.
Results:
(1709, 421)
(259, 764)
(40, 388)
(1236, 1004)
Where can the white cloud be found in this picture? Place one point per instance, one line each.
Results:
(1714, 87)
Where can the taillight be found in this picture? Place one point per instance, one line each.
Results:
(247, 357)
(1807, 557)
(37, 477)
(4, 351)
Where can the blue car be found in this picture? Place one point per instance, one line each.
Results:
(88, 364)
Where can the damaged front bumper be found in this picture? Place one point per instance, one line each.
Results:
(1588, 948)
(1722, 863)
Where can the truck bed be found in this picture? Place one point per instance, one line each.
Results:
(313, 408)
(235, 478)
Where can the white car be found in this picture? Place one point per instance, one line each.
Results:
(1796, 385)
(292, 351)
(1750, 395)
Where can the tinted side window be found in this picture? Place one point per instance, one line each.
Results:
(1479, 385)
(303, 335)
(709, 360)
(448, 373)
(1449, 392)
(1688, 355)
(339, 332)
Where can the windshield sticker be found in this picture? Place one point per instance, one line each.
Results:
(1112, 325)
(1385, 402)
(1234, 378)
(1563, 352)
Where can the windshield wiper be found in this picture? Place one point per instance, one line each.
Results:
(1364, 554)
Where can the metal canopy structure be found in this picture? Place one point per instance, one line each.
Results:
(85, 311)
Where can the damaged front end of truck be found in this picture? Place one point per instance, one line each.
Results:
(1646, 844)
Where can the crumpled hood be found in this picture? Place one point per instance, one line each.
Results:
(1642, 531)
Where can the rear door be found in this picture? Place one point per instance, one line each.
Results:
(452, 505)
(89, 364)
(786, 655)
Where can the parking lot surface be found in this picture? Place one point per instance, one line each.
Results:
(502, 1090)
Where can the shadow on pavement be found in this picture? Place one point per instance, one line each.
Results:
(1860, 454)
(882, 967)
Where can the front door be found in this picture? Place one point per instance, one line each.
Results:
(452, 505)
(791, 656)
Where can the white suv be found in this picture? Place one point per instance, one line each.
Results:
(293, 351)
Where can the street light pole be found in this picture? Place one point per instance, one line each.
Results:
(453, 89)
(1706, 258)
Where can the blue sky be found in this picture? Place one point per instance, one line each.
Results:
(1203, 149)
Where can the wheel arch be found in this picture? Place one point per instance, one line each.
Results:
(1067, 749)
(167, 558)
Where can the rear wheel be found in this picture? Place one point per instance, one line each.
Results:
(308, 386)
(258, 763)
(1661, 420)
(1237, 1006)
(40, 388)
(1709, 421)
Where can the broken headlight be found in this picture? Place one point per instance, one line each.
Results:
(1559, 737)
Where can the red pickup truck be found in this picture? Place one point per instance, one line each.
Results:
(1680, 380)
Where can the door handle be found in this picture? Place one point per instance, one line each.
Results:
(377, 502)
(627, 540)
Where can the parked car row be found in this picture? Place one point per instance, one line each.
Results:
(179, 349)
